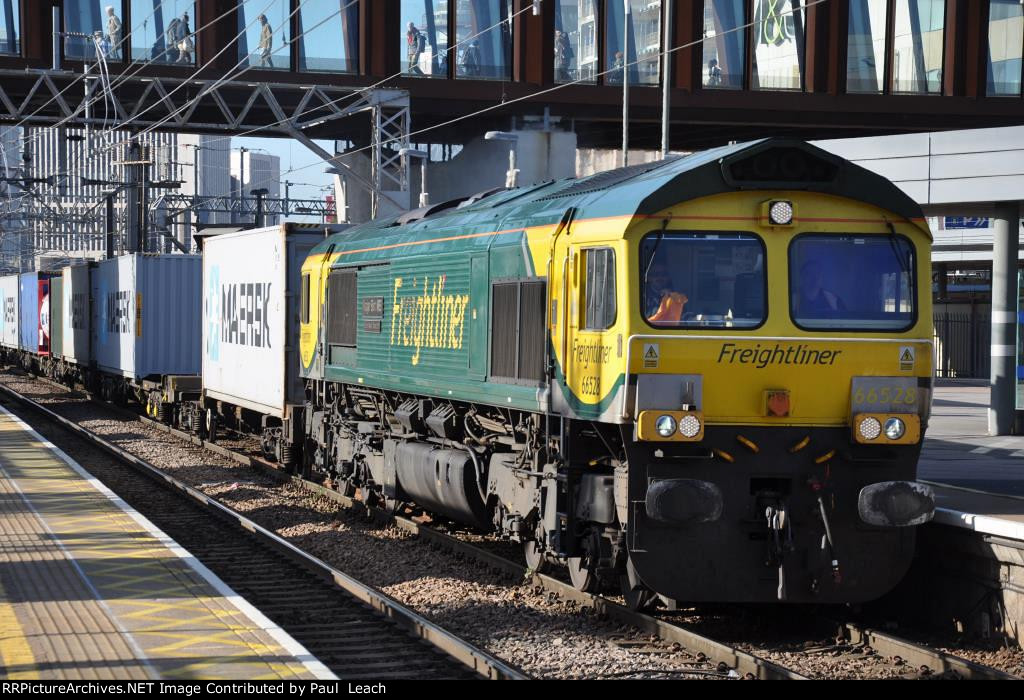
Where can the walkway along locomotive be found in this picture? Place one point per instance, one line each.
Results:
(706, 378)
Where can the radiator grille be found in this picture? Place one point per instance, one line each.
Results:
(341, 308)
(531, 331)
(504, 313)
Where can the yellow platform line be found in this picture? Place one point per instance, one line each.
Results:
(19, 663)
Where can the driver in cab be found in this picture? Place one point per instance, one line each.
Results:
(662, 304)
(812, 299)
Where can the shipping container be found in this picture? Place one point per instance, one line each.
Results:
(56, 316)
(251, 316)
(147, 315)
(34, 312)
(9, 320)
(76, 321)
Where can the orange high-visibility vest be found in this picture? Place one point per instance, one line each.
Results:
(671, 308)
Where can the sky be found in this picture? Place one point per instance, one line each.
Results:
(293, 154)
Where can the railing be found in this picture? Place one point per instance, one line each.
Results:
(962, 345)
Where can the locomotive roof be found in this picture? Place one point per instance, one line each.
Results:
(638, 190)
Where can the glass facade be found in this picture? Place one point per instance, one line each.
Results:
(724, 44)
(103, 23)
(484, 36)
(163, 31)
(777, 44)
(424, 41)
(865, 58)
(644, 27)
(576, 41)
(328, 36)
(1005, 47)
(10, 27)
(918, 39)
(264, 33)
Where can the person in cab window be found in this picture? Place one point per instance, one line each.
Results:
(415, 44)
(812, 299)
(662, 304)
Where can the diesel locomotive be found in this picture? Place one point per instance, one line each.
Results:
(702, 379)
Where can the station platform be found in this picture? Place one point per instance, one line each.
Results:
(978, 479)
(90, 589)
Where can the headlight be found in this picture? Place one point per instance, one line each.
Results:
(894, 428)
(870, 428)
(780, 213)
(666, 426)
(689, 426)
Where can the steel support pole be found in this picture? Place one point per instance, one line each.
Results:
(1003, 381)
(666, 77)
(110, 225)
(625, 84)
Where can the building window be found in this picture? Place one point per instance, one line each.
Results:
(865, 58)
(264, 31)
(329, 37)
(95, 28)
(644, 32)
(576, 41)
(599, 308)
(724, 44)
(777, 44)
(484, 34)
(424, 43)
(1005, 47)
(918, 38)
(10, 28)
(163, 32)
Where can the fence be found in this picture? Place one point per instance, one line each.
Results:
(962, 345)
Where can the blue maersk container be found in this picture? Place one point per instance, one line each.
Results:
(147, 315)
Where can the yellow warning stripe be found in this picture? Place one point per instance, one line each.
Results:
(19, 664)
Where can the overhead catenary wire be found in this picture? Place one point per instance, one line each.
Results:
(225, 78)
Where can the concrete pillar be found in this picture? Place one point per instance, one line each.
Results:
(1003, 383)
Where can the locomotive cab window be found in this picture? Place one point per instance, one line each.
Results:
(599, 306)
(702, 280)
(304, 299)
(855, 283)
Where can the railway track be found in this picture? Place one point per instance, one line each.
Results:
(355, 630)
(848, 642)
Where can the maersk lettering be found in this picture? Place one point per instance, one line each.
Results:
(244, 309)
(761, 356)
(119, 312)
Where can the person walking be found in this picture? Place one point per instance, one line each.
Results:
(563, 56)
(416, 44)
(113, 32)
(266, 42)
(182, 39)
(471, 60)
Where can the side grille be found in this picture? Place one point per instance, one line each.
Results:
(504, 313)
(341, 308)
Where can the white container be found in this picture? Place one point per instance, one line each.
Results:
(251, 316)
(147, 315)
(9, 318)
(75, 316)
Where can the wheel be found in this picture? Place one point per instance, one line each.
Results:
(536, 562)
(211, 425)
(582, 576)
